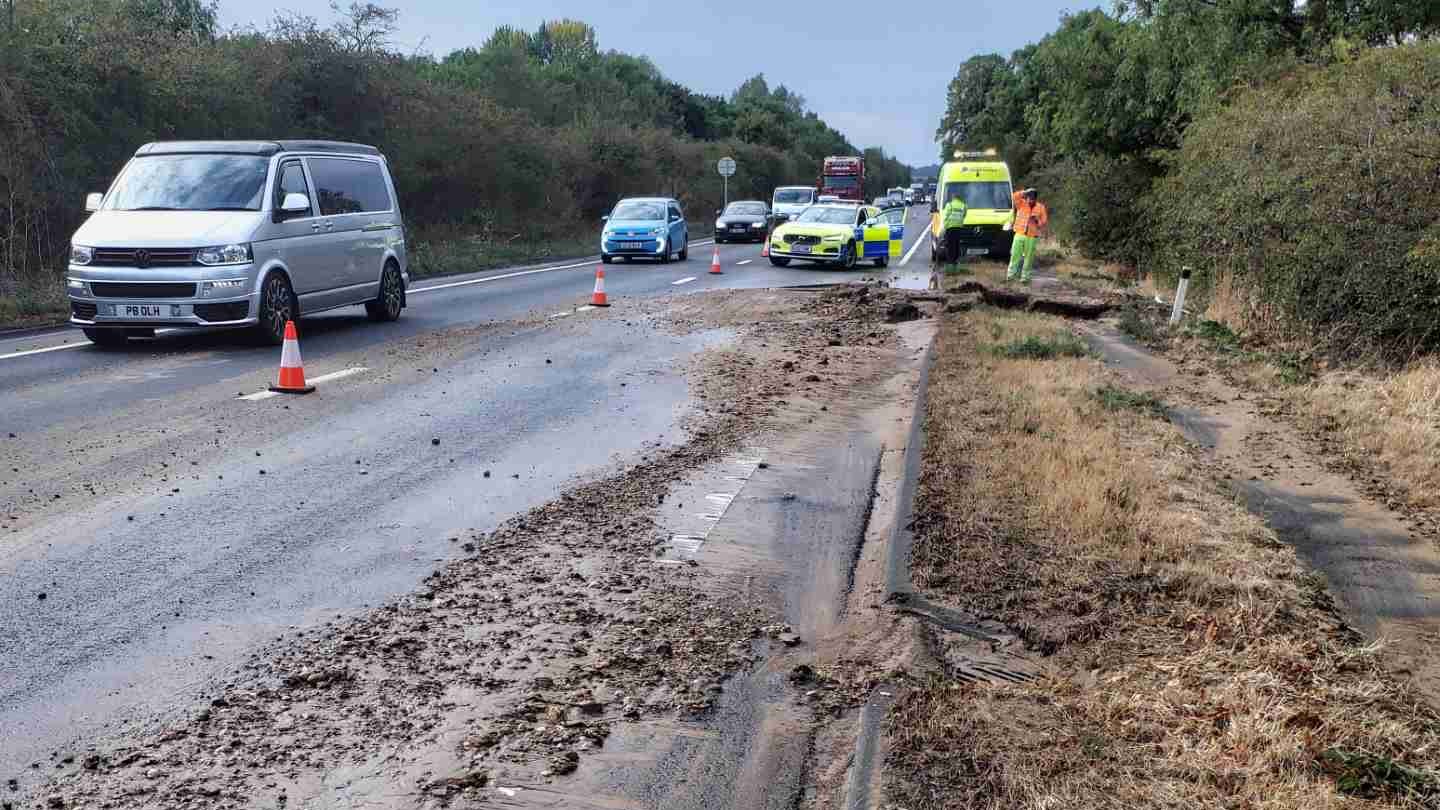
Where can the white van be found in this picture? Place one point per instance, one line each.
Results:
(226, 234)
(789, 201)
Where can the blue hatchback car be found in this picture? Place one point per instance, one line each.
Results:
(645, 227)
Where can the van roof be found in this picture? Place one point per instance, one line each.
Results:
(956, 169)
(789, 188)
(252, 147)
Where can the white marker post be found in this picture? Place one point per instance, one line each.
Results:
(727, 169)
(1179, 308)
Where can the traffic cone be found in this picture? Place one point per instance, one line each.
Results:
(715, 262)
(292, 370)
(599, 299)
(765, 247)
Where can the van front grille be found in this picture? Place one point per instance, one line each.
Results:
(143, 257)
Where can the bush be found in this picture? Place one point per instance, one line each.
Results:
(1063, 344)
(1313, 201)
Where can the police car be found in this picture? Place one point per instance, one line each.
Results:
(839, 235)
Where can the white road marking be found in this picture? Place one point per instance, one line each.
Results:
(42, 351)
(747, 261)
(418, 290)
(560, 314)
(323, 378)
(413, 291)
(923, 236)
(77, 345)
(584, 308)
(685, 280)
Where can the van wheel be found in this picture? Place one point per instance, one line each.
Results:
(107, 338)
(277, 307)
(685, 251)
(386, 307)
(882, 261)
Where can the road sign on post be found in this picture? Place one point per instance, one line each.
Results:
(727, 168)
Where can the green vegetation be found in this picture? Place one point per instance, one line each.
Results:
(1286, 152)
(1137, 326)
(501, 151)
(1031, 347)
(1115, 398)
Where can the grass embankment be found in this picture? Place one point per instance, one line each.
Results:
(1383, 419)
(1193, 661)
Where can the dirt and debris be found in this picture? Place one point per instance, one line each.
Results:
(515, 661)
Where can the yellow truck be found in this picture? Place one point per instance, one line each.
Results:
(982, 182)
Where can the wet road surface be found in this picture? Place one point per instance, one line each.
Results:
(172, 527)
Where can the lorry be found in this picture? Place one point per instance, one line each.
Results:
(982, 181)
(843, 177)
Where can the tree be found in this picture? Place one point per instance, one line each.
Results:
(364, 28)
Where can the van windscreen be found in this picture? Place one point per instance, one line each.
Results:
(980, 195)
(191, 183)
(792, 196)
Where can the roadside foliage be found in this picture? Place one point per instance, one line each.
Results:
(1285, 152)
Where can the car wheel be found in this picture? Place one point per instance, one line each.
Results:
(107, 338)
(779, 261)
(277, 307)
(387, 305)
(606, 258)
(847, 256)
(882, 261)
(685, 251)
(665, 257)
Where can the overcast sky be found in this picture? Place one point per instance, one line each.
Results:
(875, 71)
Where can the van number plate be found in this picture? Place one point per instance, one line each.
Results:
(144, 311)
(631, 245)
(977, 251)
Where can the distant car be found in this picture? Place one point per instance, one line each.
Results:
(230, 234)
(882, 202)
(645, 227)
(840, 235)
(827, 199)
(744, 221)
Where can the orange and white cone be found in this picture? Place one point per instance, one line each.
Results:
(292, 370)
(765, 247)
(599, 299)
(715, 262)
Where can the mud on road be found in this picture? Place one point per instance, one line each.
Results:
(517, 661)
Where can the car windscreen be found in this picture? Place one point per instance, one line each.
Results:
(191, 183)
(746, 209)
(980, 195)
(842, 182)
(828, 216)
(794, 196)
(638, 210)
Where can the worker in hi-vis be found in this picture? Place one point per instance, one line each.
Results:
(1029, 222)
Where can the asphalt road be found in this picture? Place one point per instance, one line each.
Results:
(172, 526)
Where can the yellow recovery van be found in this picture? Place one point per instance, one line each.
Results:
(982, 181)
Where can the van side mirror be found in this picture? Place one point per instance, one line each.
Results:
(92, 201)
(295, 203)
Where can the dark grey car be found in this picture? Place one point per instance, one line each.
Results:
(742, 221)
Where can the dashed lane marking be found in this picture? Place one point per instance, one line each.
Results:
(747, 261)
(517, 274)
(685, 280)
(323, 378)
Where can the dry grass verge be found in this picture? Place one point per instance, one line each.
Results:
(1195, 662)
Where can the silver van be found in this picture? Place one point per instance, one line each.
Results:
(225, 234)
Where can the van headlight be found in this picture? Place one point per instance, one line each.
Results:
(224, 254)
(79, 254)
